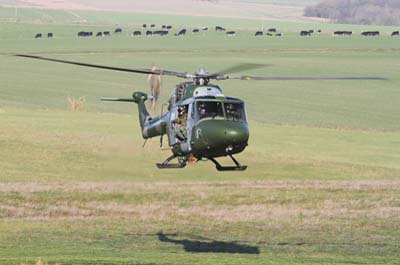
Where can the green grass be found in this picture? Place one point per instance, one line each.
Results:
(78, 188)
(368, 105)
(322, 185)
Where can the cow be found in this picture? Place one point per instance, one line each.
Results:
(370, 33)
(219, 28)
(305, 33)
(144, 25)
(319, 31)
(38, 35)
(259, 33)
(99, 34)
(181, 32)
(136, 33)
(195, 31)
(204, 28)
(152, 26)
(231, 33)
(279, 34)
(169, 27)
(272, 30)
(106, 33)
(118, 30)
(84, 34)
(149, 33)
(160, 32)
(50, 35)
(342, 33)
(269, 34)
(395, 33)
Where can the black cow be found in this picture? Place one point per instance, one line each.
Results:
(395, 33)
(279, 34)
(370, 33)
(319, 31)
(305, 33)
(99, 34)
(84, 34)
(342, 33)
(272, 30)
(204, 28)
(163, 26)
(169, 27)
(136, 33)
(50, 35)
(231, 33)
(149, 33)
(118, 30)
(195, 31)
(259, 33)
(219, 28)
(269, 34)
(106, 33)
(38, 35)
(181, 32)
(144, 25)
(160, 32)
(152, 26)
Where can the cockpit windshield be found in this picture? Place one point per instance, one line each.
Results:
(235, 111)
(211, 109)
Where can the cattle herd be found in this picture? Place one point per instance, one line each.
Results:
(149, 30)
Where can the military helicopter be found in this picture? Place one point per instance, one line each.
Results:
(201, 122)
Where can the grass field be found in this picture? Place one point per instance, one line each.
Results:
(323, 181)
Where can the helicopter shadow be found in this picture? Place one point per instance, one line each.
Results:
(212, 246)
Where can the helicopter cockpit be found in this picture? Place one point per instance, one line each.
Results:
(227, 110)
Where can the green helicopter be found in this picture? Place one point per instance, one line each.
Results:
(201, 122)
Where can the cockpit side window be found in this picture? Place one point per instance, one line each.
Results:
(235, 111)
(210, 109)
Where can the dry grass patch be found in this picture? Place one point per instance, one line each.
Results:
(77, 105)
(276, 201)
(200, 187)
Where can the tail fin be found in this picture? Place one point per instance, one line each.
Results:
(150, 126)
(144, 116)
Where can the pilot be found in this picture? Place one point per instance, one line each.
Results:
(202, 110)
(231, 112)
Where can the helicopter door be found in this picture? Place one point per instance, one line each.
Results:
(178, 128)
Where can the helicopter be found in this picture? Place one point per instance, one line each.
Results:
(201, 122)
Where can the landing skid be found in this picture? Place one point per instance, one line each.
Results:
(182, 161)
(238, 166)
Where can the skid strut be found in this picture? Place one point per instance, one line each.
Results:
(182, 161)
(219, 167)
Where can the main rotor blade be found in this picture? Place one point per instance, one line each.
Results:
(241, 68)
(300, 78)
(131, 70)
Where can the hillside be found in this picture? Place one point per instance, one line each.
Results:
(371, 12)
(288, 10)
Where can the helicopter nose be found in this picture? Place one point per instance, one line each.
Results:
(234, 134)
(226, 136)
